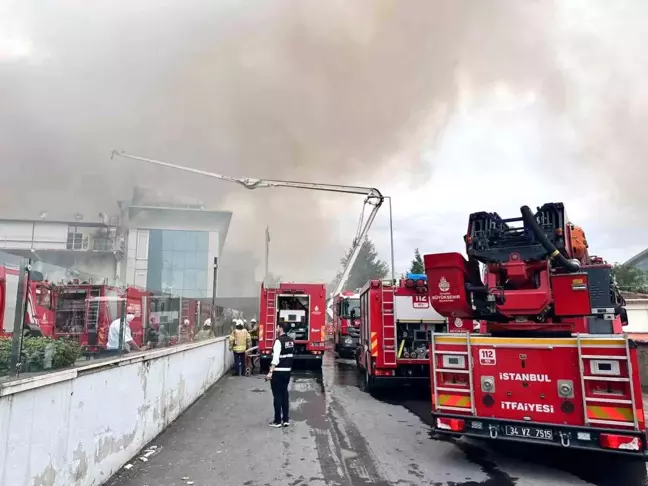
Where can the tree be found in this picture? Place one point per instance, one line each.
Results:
(630, 278)
(366, 267)
(417, 265)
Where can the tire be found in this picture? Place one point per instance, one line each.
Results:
(368, 384)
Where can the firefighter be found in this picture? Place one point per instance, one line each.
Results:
(240, 341)
(205, 332)
(254, 333)
(279, 375)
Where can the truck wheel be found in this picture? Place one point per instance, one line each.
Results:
(369, 380)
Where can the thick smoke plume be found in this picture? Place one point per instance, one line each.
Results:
(334, 91)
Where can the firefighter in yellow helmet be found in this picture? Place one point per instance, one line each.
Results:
(240, 341)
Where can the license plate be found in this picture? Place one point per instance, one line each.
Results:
(528, 432)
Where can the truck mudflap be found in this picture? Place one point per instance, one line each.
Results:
(628, 442)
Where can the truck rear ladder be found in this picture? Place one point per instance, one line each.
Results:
(388, 325)
(587, 354)
(447, 400)
(271, 316)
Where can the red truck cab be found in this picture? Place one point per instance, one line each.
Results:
(346, 323)
(303, 307)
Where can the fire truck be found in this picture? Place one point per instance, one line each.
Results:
(346, 323)
(550, 363)
(39, 319)
(396, 324)
(76, 310)
(303, 307)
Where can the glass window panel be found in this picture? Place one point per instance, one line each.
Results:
(179, 240)
(202, 260)
(190, 280)
(201, 279)
(202, 241)
(167, 240)
(167, 259)
(190, 260)
(177, 281)
(178, 260)
(191, 240)
(167, 278)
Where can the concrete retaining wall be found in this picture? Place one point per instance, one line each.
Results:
(79, 426)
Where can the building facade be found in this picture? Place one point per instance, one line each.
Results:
(162, 247)
(640, 260)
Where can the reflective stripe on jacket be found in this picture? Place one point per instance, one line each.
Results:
(240, 340)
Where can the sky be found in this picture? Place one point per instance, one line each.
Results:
(449, 107)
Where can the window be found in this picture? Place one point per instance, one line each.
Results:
(179, 241)
(76, 240)
(142, 245)
(202, 241)
(167, 240)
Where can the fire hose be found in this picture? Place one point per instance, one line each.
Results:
(249, 357)
(554, 254)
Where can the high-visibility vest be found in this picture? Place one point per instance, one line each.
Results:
(286, 356)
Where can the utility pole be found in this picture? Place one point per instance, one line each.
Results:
(19, 317)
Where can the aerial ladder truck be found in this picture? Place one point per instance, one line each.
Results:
(550, 363)
(373, 199)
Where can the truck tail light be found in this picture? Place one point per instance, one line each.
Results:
(621, 442)
(455, 425)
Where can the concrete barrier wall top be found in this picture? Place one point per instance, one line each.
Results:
(79, 426)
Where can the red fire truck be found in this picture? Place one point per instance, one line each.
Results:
(40, 318)
(550, 364)
(303, 306)
(346, 323)
(76, 310)
(396, 322)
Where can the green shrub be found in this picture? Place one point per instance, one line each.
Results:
(41, 353)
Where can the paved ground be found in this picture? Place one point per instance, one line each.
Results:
(341, 436)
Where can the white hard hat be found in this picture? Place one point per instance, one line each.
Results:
(252, 320)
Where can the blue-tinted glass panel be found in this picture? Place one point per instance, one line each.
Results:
(201, 279)
(167, 278)
(202, 260)
(167, 240)
(178, 278)
(191, 260)
(178, 260)
(191, 240)
(179, 240)
(167, 259)
(190, 280)
(202, 241)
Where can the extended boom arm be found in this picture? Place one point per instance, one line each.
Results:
(373, 198)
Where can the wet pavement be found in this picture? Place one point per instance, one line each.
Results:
(341, 436)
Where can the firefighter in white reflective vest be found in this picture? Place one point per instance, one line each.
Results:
(240, 340)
